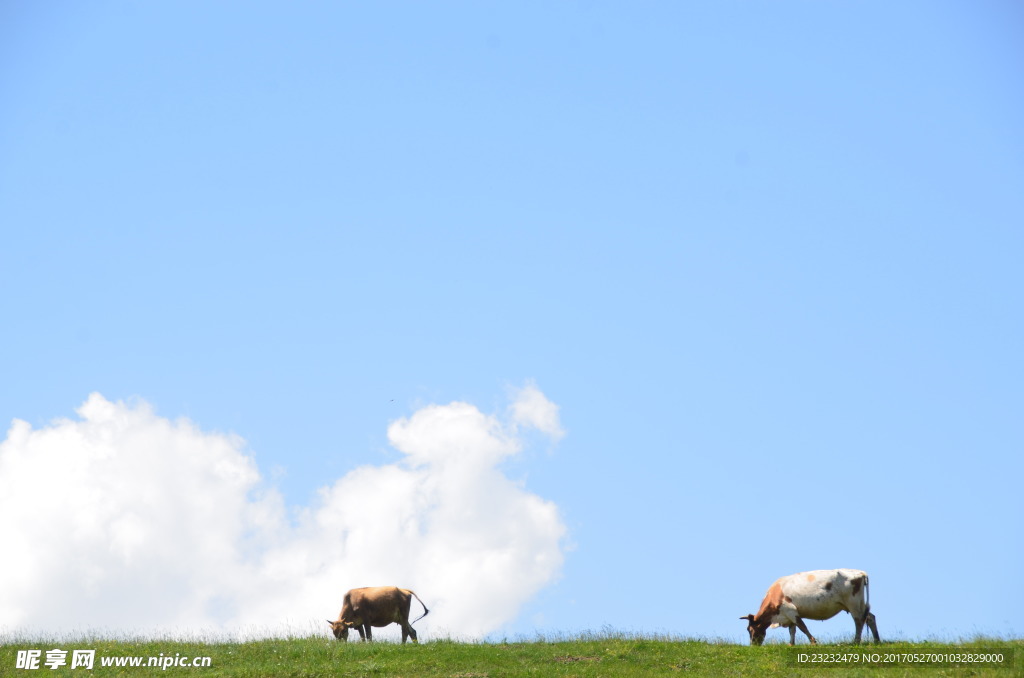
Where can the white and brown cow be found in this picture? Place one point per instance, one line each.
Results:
(376, 606)
(821, 594)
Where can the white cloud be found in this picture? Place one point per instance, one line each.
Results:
(532, 409)
(126, 520)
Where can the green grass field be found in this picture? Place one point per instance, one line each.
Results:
(589, 655)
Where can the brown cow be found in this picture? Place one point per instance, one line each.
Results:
(376, 606)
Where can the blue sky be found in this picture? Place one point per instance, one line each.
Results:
(763, 257)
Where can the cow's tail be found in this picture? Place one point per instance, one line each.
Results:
(425, 610)
(867, 597)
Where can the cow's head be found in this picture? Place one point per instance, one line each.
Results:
(340, 629)
(756, 630)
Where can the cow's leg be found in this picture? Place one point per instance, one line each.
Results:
(369, 633)
(870, 619)
(407, 629)
(803, 627)
(792, 635)
(362, 636)
(858, 623)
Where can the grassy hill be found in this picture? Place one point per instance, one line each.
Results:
(587, 656)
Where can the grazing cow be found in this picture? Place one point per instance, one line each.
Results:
(376, 606)
(820, 594)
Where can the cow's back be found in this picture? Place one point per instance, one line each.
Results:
(821, 594)
(376, 604)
